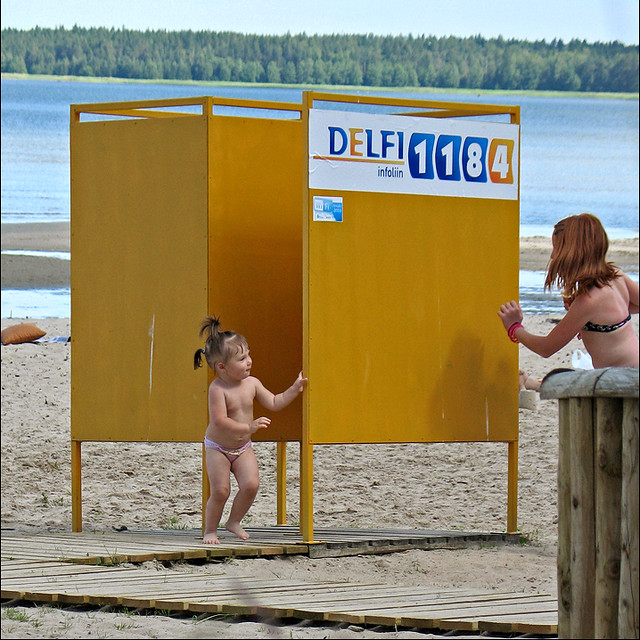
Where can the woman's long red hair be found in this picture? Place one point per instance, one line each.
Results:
(578, 261)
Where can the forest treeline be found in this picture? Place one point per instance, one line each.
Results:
(382, 61)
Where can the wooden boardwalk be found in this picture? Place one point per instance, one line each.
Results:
(84, 568)
(179, 544)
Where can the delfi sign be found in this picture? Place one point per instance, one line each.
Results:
(352, 151)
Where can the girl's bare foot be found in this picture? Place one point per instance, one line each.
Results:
(527, 382)
(236, 529)
(210, 538)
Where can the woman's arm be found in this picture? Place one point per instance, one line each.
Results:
(561, 334)
(276, 402)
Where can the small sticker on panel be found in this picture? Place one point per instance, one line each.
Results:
(327, 208)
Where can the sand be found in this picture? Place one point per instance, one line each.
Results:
(153, 486)
(30, 272)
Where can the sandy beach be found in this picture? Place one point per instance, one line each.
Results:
(154, 486)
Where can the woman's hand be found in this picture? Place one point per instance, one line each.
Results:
(509, 313)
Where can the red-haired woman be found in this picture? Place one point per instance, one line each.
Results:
(599, 298)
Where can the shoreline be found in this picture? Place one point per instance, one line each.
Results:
(625, 95)
(34, 272)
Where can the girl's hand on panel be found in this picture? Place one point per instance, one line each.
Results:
(509, 313)
(300, 383)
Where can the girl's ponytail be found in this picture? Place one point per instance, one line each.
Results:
(197, 358)
(211, 324)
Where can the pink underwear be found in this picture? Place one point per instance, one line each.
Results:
(231, 454)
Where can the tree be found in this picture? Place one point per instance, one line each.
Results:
(304, 71)
(251, 71)
(449, 76)
(373, 76)
(13, 64)
(273, 72)
(400, 61)
(289, 75)
(320, 75)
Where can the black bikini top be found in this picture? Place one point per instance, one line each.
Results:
(605, 328)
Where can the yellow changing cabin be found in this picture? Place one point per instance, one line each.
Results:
(363, 239)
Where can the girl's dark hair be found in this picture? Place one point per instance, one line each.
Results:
(219, 345)
(579, 257)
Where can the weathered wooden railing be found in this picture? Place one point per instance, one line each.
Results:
(597, 501)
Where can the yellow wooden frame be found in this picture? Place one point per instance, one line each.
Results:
(178, 211)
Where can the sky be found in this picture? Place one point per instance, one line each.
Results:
(590, 20)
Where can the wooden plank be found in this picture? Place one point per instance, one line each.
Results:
(388, 615)
(628, 607)
(94, 581)
(98, 588)
(244, 599)
(114, 548)
(538, 623)
(281, 603)
(583, 554)
(180, 595)
(83, 554)
(232, 586)
(380, 596)
(227, 540)
(286, 608)
(142, 546)
(613, 382)
(128, 579)
(85, 545)
(283, 532)
(348, 602)
(47, 588)
(473, 624)
(563, 572)
(20, 566)
(399, 613)
(251, 598)
(608, 493)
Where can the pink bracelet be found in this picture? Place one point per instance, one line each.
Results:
(512, 330)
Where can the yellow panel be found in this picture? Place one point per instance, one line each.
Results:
(404, 341)
(138, 278)
(256, 250)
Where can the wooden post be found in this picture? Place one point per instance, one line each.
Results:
(76, 485)
(512, 488)
(583, 530)
(281, 483)
(306, 491)
(597, 501)
(608, 495)
(628, 604)
(564, 521)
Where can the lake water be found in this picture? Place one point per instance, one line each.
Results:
(577, 154)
